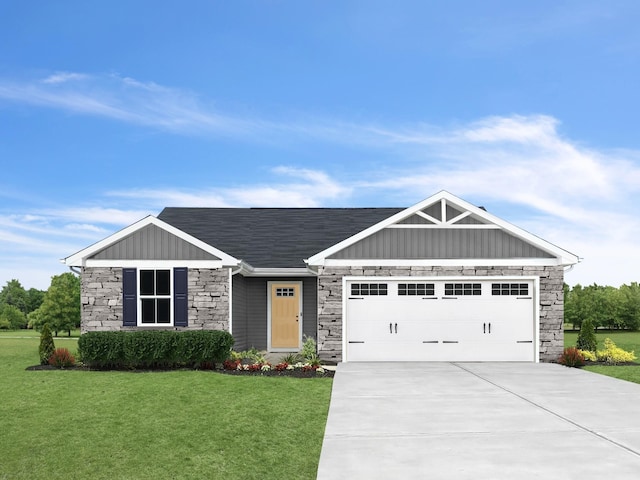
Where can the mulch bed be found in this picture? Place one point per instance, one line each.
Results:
(297, 373)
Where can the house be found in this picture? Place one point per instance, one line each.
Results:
(443, 280)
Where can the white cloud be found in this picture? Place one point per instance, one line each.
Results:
(63, 77)
(582, 198)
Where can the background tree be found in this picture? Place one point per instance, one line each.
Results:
(35, 298)
(630, 306)
(14, 294)
(61, 305)
(13, 317)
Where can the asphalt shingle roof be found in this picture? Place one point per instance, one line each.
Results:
(273, 237)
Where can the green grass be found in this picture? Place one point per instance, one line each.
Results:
(182, 424)
(626, 340)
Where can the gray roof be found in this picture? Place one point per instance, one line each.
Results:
(274, 237)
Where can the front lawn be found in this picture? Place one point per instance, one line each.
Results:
(624, 339)
(181, 424)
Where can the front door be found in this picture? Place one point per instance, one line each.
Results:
(285, 315)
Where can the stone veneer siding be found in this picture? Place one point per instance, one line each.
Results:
(101, 300)
(551, 297)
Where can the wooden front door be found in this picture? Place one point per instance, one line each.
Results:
(286, 313)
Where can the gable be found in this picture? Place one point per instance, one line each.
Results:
(152, 243)
(444, 228)
(150, 239)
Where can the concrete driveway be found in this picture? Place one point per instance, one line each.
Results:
(480, 421)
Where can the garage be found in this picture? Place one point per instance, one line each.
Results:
(427, 319)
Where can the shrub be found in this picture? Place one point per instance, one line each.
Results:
(281, 366)
(61, 358)
(613, 355)
(309, 349)
(154, 349)
(47, 346)
(291, 358)
(571, 357)
(588, 355)
(587, 337)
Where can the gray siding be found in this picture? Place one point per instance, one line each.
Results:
(426, 243)
(239, 308)
(153, 243)
(256, 308)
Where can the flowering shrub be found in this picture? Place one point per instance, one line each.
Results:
(613, 355)
(61, 358)
(590, 356)
(281, 366)
(266, 367)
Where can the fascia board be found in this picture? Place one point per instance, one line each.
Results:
(79, 259)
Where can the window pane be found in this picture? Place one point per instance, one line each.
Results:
(146, 282)
(164, 310)
(148, 310)
(163, 282)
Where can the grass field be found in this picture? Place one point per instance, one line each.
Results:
(626, 340)
(157, 425)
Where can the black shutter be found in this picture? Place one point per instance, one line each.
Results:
(129, 294)
(180, 306)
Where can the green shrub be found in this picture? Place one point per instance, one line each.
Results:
(571, 357)
(47, 346)
(613, 354)
(291, 358)
(154, 349)
(587, 337)
(309, 350)
(61, 358)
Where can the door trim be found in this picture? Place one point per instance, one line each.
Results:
(301, 319)
(535, 294)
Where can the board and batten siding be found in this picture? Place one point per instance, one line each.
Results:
(255, 324)
(419, 243)
(153, 243)
(239, 309)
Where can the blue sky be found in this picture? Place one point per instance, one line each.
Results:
(110, 111)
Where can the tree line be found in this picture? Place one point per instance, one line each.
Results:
(606, 307)
(59, 305)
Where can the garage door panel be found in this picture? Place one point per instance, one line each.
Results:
(475, 326)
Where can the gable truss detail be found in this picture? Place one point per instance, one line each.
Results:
(450, 217)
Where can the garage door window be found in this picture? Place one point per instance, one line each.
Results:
(510, 289)
(416, 289)
(462, 289)
(368, 289)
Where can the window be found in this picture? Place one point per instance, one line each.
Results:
(421, 289)
(368, 289)
(285, 292)
(150, 297)
(462, 289)
(509, 289)
(155, 297)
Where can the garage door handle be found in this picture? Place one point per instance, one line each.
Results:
(390, 328)
(484, 328)
(489, 327)
(396, 325)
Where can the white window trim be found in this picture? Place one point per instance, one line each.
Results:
(141, 297)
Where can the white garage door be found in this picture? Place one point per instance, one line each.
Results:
(440, 320)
